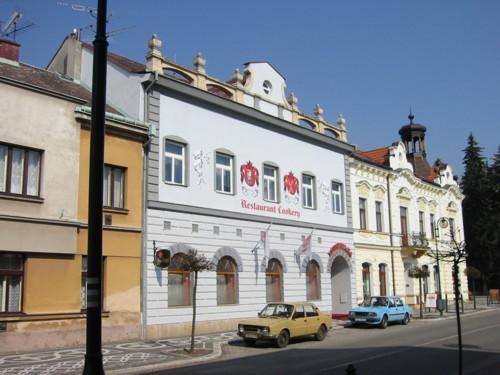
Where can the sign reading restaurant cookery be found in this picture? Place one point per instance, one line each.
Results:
(268, 208)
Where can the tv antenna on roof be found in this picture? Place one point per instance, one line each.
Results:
(12, 27)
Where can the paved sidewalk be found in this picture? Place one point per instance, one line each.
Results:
(435, 315)
(120, 358)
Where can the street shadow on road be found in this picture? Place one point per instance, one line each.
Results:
(367, 361)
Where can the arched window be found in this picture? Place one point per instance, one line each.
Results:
(313, 281)
(367, 288)
(425, 280)
(274, 281)
(179, 282)
(227, 281)
(382, 278)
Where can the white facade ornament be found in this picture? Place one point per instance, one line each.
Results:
(200, 158)
(324, 192)
(341, 121)
(199, 63)
(318, 112)
(154, 58)
(293, 100)
(238, 78)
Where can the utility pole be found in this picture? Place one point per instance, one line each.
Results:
(93, 356)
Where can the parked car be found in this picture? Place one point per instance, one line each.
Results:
(279, 322)
(380, 311)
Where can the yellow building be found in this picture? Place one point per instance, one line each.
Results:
(44, 152)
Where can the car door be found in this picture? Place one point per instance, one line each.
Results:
(313, 320)
(298, 323)
(401, 308)
(392, 310)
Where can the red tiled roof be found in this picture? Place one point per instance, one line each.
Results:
(378, 156)
(121, 61)
(43, 79)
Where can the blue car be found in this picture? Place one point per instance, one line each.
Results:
(380, 311)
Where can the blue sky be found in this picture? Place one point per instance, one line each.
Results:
(370, 60)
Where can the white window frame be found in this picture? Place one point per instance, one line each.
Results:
(308, 188)
(266, 181)
(174, 157)
(363, 215)
(334, 194)
(109, 197)
(224, 169)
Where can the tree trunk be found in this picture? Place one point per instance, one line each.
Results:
(457, 312)
(420, 296)
(193, 324)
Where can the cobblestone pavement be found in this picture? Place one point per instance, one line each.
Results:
(118, 356)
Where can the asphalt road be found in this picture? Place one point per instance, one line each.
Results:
(422, 347)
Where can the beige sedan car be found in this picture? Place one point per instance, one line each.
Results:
(281, 321)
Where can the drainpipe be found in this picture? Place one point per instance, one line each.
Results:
(144, 266)
(390, 235)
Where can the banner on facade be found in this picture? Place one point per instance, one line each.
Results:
(430, 300)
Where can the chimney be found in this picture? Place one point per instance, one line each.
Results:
(9, 50)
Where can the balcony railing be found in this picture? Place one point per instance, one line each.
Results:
(415, 239)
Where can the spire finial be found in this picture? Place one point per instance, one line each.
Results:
(411, 117)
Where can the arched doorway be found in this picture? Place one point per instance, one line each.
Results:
(341, 286)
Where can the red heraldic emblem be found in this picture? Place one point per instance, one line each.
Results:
(250, 175)
(291, 183)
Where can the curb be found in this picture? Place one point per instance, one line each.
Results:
(439, 318)
(145, 369)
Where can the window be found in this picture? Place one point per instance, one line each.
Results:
(20, 170)
(270, 183)
(223, 173)
(114, 186)
(308, 191)
(337, 197)
(311, 310)
(378, 216)
(436, 279)
(425, 280)
(11, 280)
(313, 281)
(421, 224)
(382, 276)
(227, 281)
(367, 289)
(451, 221)
(403, 216)
(175, 160)
(83, 287)
(433, 227)
(274, 281)
(267, 87)
(362, 213)
(179, 282)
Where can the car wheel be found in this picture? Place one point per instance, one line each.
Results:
(249, 342)
(406, 319)
(321, 334)
(282, 340)
(384, 322)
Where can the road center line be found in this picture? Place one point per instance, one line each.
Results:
(387, 354)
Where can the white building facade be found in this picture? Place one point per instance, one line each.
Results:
(397, 201)
(226, 176)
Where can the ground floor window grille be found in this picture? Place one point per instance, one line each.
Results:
(11, 281)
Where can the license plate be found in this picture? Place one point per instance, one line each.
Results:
(251, 335)
(361, 319)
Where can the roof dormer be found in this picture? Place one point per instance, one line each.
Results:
(263, 80)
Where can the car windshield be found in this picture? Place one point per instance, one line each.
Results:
(277, 310)
(374, 301)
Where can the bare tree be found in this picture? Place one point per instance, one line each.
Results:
(419, 273)
(194, 262)
(455, 255)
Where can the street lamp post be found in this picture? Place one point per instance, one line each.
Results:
(443, 223)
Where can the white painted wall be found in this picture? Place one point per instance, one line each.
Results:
(206, 131)
(252, 290)
(123, 90)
